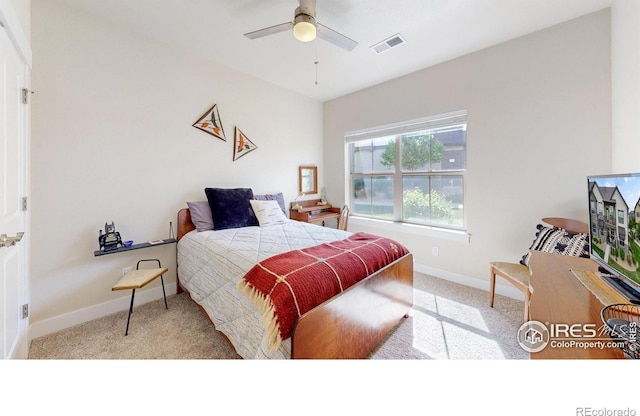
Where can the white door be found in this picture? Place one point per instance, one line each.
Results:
(13, 187)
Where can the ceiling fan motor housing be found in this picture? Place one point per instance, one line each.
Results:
(304, 23)
(304, 17)
(305, 28)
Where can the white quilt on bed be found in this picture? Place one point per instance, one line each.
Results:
(210, 263)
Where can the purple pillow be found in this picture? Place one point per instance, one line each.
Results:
(230, 208)
(201, 215)
(273, 197)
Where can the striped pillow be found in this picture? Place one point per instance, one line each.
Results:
(557, 240)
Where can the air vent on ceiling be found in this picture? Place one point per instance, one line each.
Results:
(388, 43)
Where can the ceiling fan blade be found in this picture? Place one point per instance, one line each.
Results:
(336, 38)
(269, 30)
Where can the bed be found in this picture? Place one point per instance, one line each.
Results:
(351, 324)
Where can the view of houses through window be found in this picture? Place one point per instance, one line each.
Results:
(411, 172)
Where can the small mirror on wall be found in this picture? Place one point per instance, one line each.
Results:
(308, 180)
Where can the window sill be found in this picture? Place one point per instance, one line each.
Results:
(423, 230)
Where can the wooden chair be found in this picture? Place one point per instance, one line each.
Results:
(344, 218)
(518, 274)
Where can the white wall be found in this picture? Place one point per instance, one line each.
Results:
(113, 140)
(539, 121)
(625, 94)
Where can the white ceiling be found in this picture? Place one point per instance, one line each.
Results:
(435, 30)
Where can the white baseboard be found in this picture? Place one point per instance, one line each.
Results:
(70, 319)
(501, 288)
(80, 316)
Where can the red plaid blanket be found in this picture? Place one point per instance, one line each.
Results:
(287, 285)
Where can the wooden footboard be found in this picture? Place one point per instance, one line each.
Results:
(353, 323)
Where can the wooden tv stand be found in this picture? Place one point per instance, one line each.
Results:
(560, 298)
(312, 211)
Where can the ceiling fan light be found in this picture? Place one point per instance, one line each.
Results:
(304, 28)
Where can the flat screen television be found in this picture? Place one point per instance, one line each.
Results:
(614, 224)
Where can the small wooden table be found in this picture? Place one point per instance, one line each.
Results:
(558, 297)
(310, 211)
(136, 279)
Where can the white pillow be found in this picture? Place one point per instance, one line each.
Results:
(268, 212)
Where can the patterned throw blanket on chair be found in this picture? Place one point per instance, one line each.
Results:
(286, 286)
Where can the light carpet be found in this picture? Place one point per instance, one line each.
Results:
(448, 321)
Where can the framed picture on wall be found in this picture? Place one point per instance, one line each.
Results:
(242, 145)
(210, 123)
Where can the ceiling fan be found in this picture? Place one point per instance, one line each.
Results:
(305, 28)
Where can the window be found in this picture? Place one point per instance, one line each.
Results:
(411, 172)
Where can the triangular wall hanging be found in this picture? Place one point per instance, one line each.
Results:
(210, 122)
(242, 145)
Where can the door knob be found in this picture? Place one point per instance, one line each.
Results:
(10, 241)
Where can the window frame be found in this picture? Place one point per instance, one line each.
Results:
(397, 130)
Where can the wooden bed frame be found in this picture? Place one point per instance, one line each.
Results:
(353, 323)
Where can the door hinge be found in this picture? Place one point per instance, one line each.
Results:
(24, 203)
(25, 311)
(25, 95)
